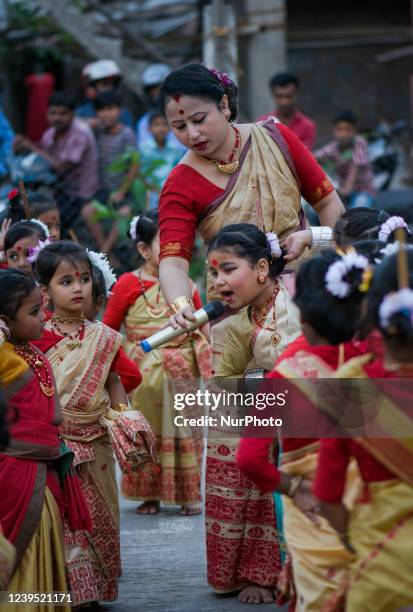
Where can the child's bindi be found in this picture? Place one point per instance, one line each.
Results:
(18, 248)
(214, 262)
(77, 273)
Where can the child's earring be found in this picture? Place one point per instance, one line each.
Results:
(261, 279)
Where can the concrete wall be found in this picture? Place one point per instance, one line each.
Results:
(333, 48)
(337, 79)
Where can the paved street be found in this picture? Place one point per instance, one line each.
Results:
(164, 565)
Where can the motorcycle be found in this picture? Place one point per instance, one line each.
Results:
(384, 153)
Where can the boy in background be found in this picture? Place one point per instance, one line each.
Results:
(159, 147)
(113, 139)
(346, 159)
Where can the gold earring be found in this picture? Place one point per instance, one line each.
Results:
(261, 279)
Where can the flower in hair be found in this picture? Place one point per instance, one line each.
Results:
(335, 278)
(389, 226)
(101, 261)
(132, 227)
(35, 251)
(222, 77)
(13, 194)
(390, 249)
(274, 244)
(42, 225)
(399, 302)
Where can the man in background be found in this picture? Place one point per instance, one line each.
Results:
(284, 90)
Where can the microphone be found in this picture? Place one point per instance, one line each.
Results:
(210, 311)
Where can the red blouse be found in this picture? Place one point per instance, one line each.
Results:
(187, 193)
(125, 292)
(127, 369)
(335, 455)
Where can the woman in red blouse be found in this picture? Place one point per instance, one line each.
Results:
(380, 527)
(230, 174)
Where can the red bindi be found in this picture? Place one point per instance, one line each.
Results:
(77, 273)
(181, 112)
(19, 248)
(214, 262)
(177, 98)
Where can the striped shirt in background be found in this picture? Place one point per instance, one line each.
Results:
(110, 146)
(337, 162)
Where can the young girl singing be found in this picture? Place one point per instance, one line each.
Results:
(243, 554)
(35, 492)
(137, 303)
(83, 357)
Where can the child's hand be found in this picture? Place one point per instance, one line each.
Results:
(3, 231)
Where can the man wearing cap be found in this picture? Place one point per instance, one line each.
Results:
(103, 75)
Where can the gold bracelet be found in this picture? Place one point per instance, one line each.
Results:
(121, 408)
(181, 303)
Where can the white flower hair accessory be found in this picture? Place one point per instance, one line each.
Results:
(35, 251)
(101, 261)
(40, 224)
(391, 249)
(389, 226)
(399, 302)
(335, 276)
(274, 244)
(132, 227)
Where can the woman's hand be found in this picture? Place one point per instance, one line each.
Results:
(306, 501)
(296, 243)
(184, 318)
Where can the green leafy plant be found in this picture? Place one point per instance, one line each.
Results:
(107, 213)
(145, 180)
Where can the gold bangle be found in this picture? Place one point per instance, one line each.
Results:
(121, 408)
(181, 303)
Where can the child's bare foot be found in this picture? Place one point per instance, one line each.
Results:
(190, 510)
(253, 593)
(148, 507)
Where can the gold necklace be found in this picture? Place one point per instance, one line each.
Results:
(38, 364)
(155, 311)
(231, 166)
(260, 313)
(68, 320)
(72, 341)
